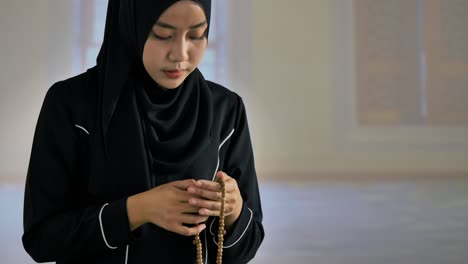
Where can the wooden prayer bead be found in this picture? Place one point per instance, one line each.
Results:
(221, 231)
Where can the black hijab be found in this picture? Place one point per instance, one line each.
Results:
(176, 123)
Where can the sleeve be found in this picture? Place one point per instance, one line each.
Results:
(246, 234)
(57, 223)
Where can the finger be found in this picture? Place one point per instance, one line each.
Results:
(208, 204)
(182, 196)
(207, 212)
(208, 185)
(183, 184)
(186, 207)
(193, 218)
(230, 184)
(211, 195)
(221, 175)
(189, 231)
(228, 210)
(230, 199)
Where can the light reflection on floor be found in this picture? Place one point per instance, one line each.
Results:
(422, 222)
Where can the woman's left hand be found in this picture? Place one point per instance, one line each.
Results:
(209, 200)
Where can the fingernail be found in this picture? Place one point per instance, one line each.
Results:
(193, 201)
(191, 189)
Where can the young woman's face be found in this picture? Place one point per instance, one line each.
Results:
(176, 44)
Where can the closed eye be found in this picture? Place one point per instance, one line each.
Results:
(161, 37)
(198, 38)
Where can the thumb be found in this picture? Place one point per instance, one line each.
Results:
(222, 176)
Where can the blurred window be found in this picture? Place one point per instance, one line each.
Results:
(411, 62)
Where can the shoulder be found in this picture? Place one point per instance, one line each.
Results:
(76, 88)
(75, 97)
(228, 107)
(224, 97)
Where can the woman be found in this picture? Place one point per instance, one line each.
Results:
(124, 155)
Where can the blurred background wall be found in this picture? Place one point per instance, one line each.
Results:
(285, 58)
(304, 98)
(335, 89)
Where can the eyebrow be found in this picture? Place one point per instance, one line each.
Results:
(165, 25)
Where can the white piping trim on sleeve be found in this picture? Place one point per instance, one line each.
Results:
(82, 128)
(214, 176)
(243, 233)
(219, 148)
(226, 139)
(211, 226)
(126, 254)
(102, 229)
(217, 166)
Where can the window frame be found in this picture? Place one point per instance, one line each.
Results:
(349, 133)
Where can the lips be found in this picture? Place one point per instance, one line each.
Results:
(173, 74)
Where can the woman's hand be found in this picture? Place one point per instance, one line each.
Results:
(209, 198)
(167, 206)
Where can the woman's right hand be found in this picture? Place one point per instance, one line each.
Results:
(167, 207)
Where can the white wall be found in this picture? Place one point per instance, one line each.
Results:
(285, 76)
(23, 76)
(295, 105)
(36, 42)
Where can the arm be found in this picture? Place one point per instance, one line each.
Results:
(57, 223)
(246, 233)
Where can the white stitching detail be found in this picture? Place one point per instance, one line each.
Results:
(102, 229)
(82, 128)
(126, 254)
(217, 166)
(219, 148)
(212, 221)
(243, 233)
(211, 226)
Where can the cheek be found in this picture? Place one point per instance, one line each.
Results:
(152, 57)
(197, 53)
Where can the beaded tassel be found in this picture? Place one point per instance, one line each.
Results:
(221, 233)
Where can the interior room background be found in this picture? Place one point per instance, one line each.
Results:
(334, 89)
(331, 87)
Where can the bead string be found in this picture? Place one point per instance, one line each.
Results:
(221, 232)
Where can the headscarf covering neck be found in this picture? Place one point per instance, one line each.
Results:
(176, 123)
(128, 23)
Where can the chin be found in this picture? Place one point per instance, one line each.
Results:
(171, 84)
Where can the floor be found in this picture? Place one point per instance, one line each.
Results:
(404, 222)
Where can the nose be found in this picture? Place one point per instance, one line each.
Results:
(179, 51)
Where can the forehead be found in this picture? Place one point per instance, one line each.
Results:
(183, 13)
